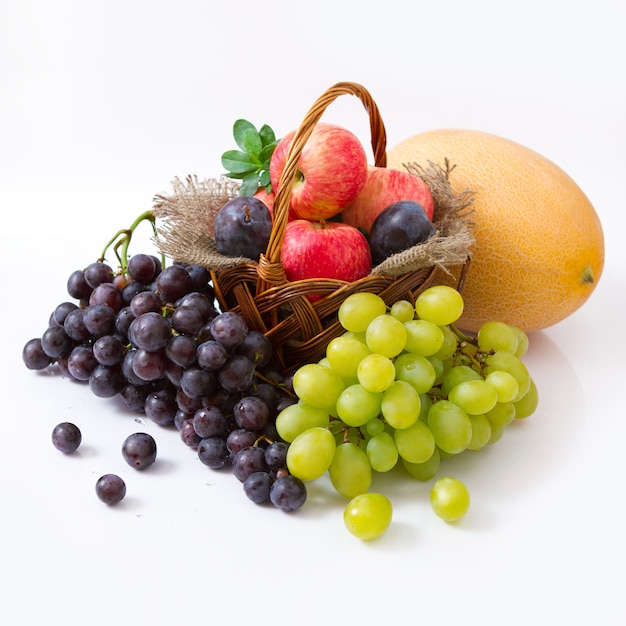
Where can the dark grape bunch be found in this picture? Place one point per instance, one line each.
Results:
(153, 337)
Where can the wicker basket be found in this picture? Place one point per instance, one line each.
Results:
(298, 328)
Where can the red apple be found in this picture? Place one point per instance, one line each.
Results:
(332, 170)
(266, 198)
(383, 187)
(324, 250)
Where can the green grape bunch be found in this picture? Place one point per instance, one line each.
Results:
(403, 386)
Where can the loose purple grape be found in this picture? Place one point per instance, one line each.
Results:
(66, 437)
(110, 489)
(139, 450)
(288, 493)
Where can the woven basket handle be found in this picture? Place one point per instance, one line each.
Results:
(270, 266)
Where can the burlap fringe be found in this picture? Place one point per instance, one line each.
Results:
(185, 230)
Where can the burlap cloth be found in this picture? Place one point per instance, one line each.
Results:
(185, 230)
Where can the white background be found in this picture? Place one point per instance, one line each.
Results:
(102, 104)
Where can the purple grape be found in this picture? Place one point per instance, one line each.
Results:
(187, 320)
(55, 341)
(139, 450)
(181, 350)
(77, 286)
(197, 383)
(161, 407)
(75, 326)
(110, 489)
(107, 381)
(143, 268)
(123, 320)
(173, 283)
(257, 347)
(81, 362)
(211, 355)
(229, 329)
(257, 487)
(187, 404)
(213, 452)
(134, 397)
(251, 413)
(132, 289)
(237, 374)
(209, 421)
(145, 302)
(188, 434)
(239, 439)
(150, 331)
(60, 312)
(99, 320)
(247, 461)
(98, 273)
(288, 493)
(276, 455)
(149, 365)
(66, 437)
(107, 293)
(33, 355)
(109, 350)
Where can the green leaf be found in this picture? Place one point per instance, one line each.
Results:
(239, 162)
(267, 135)
(249, 185)
(252, 141)
(264, 180)
(266, 155)
(239, 128)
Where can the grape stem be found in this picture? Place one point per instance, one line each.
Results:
(120, 242)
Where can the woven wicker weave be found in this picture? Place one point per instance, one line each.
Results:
(298, 328)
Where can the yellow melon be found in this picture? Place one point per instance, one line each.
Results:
(539, 250)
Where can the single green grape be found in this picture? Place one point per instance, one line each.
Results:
(481, 432)
(400, 405)
(416, 443)
(296, 418)
(458, 374)
(450, 499)
(344, 355)
(376, 372)
(425, 403)
(386, 335)
(350, 471)
(402, 310)
(522, 341)
(416, 370)
(438, 365)
(374, 427)
(474, 396)
(424, 471)
(356, 405)
(507, 362)
(423, 337)
(497, 430)
(502, 414)
(368, 515)
(382, 452)
(505, 384)
(450, 344)
(528, 404)
(441, 305)
(359, 309)
(450, 425)
(497, 336)
(317, 385)
(310, 454)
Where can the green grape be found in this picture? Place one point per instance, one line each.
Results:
(350, 471)
(522, 341)
(359, 309)
(352, 335)
(344, 355)
(505, 384)
(474, 396)
(386, 335)
(497, 336)
(423, 337)
(374, 427)
(450, 425)
(497, 430)
(507, 362)
(440, 304)
(424, 471)
(416, 443)
(311, 453)
(356, 406)
(317, 385)
(456, 375)
(481, 432)
(450, 344)
(416, 370)
(425, 404)
(528, 404)
(450, 499)
(382, 452)
(368, 515)
(400, 405)
(502, 414)
(438, 366)
(296, 418)
(402, 310)
(376, 372)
